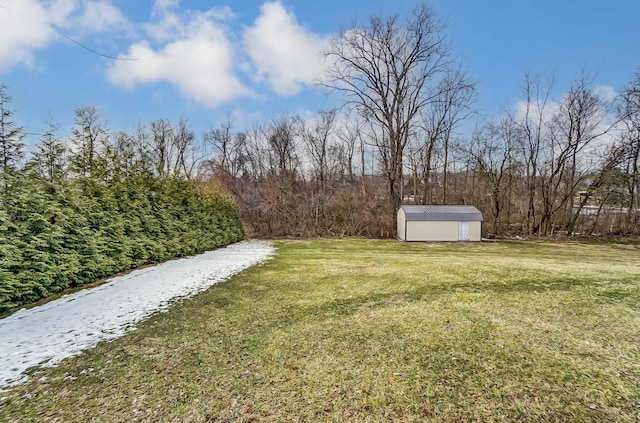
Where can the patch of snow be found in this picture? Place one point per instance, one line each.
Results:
(47, 334)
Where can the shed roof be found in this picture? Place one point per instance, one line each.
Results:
(441, 213)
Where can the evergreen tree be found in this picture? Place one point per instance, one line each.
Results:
(9, 257)
(65, 223)
(48, 162)
(11, 143)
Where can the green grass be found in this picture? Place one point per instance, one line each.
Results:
(371, 331)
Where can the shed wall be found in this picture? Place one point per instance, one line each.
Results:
(432, 231)
(401, 224)
(438, 231)
(475, 231)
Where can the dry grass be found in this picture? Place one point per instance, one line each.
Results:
(369, 331)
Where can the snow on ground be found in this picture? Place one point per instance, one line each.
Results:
(45, 335)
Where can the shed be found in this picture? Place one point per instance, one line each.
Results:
(439, 223)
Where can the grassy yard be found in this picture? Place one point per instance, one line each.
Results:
(373, 331)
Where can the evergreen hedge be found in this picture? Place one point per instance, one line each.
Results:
(100, 203)
(79, 230)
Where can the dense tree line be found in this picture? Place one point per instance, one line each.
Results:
(551, 167)
(304, 178)
(560, 166)
(98, 203)
(556, 164)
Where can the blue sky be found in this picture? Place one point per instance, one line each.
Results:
(205, 60)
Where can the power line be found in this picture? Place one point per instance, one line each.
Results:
(92, 50)
(78, 43)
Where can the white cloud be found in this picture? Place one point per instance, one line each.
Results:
(162, 6)
(171, 25)
(284, 53)
(99, 16)
(605, 93)
(194, 54)
(536, 111)
(30, 25)
(193, 50)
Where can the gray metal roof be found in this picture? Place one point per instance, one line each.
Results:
(440, 213)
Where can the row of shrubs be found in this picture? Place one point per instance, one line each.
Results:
(63, 235)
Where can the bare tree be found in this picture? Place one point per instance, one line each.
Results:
(160, 146)
(439, 119)
(599, 186)
(282, 151)
(350, 133)
(183, 143)
(316, 137)
(125, 156)
(231, 159)
(578, 123)
(221, 139)
(531, 119)
(492, 150)
(89, 138)
(389, 71)
(629, 112)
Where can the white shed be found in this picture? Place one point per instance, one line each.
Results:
(439, 223)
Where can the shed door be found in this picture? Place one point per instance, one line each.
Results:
(463, 231)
